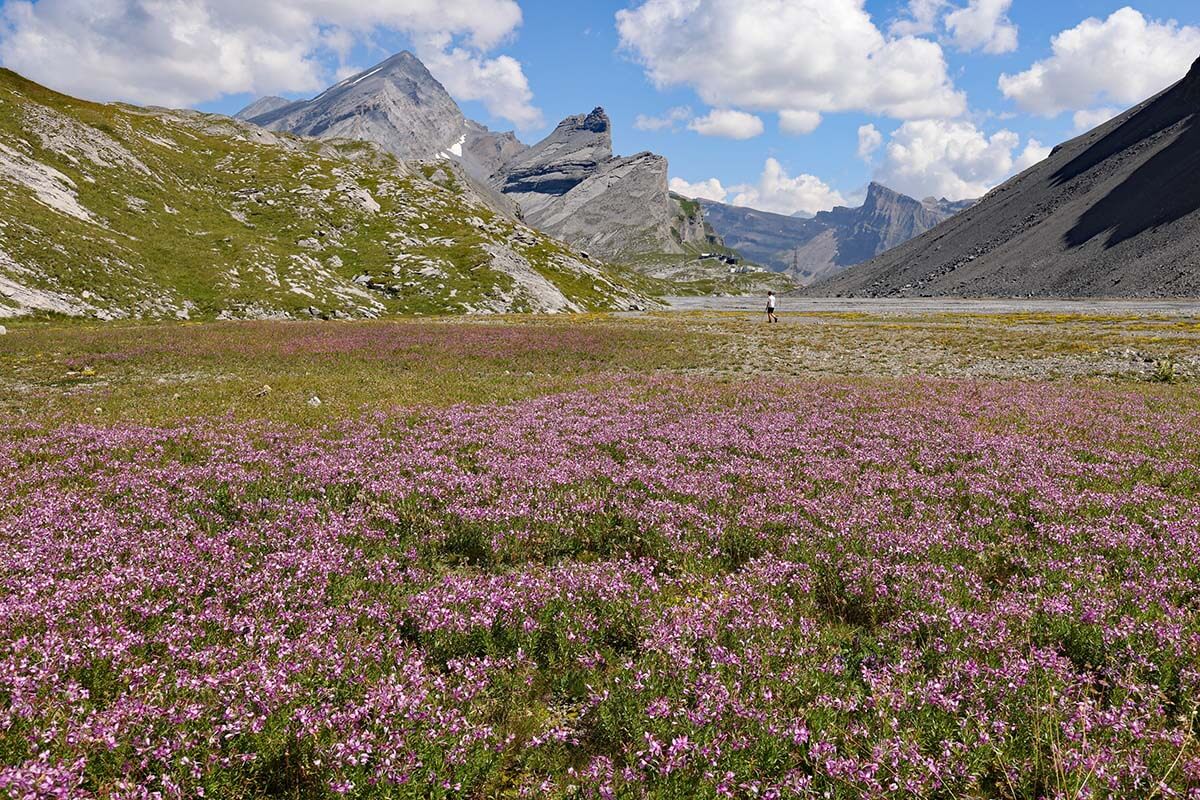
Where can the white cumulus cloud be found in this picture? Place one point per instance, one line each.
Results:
(710, 189)
(670, 120)
(1120, 60)
(921, 17)
(983, 25)
(727, 124)
(780, 193)
(869, 141)
(952, 159)
(799, 55)
(798, 123)
(184, 52)
(1034, 153)
(499, 83)
(1089, 118)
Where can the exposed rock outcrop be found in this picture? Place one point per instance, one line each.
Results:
(261, 106)
(690, 228)
(485, 151)
(809, 249)
(621, 210)
(1114, 212)
(401, 108)
(571, 186)
(578, 149)
(396, 105)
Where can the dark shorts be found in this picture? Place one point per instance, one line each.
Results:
(770, 310)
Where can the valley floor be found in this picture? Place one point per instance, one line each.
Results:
(875, 551)
(885, 306)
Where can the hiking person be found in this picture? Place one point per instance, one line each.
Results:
(771, 308)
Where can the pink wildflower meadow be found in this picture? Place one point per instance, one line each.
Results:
(827, 590)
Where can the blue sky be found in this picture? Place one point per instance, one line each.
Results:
(573, 57)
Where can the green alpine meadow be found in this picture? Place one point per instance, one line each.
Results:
(816, 417)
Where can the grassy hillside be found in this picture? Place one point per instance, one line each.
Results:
(112, 211)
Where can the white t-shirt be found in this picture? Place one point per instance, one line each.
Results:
(770, 301)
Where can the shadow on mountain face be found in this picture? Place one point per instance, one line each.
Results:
(1175, 104)
(1162, 190)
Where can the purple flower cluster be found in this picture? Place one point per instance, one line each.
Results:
(828, 590)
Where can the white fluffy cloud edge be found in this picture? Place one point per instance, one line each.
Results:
(800, 59)
(923, 158)
(728, 124)
(838, 60)
(806, 58)
(1102, 64)
(193, 51)
(776, 192)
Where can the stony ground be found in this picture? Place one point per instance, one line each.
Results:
(169, 371)
(983, 339)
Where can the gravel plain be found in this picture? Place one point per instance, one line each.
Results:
(1140, 340)
(938, 305)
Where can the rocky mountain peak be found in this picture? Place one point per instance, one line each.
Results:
(584, 132)
(880, 197)
(1191, 84)
(263, 105)
(572, 186)
(402, 69)
(597, 121)
(397, 104)
(876, 189)
(1114, 212)
(403, 61)
(574, 151)
(332, 231)
(825, 244)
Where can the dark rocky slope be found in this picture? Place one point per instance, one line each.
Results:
(569, 185)
(1115, 212)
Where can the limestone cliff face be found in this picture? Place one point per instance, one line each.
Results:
(485, 151)
(811, 249)
(885, 220)
(690, 228)
(578, 148)
(571, 186)
(623, 209)
(261, 106)
(397, 105)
